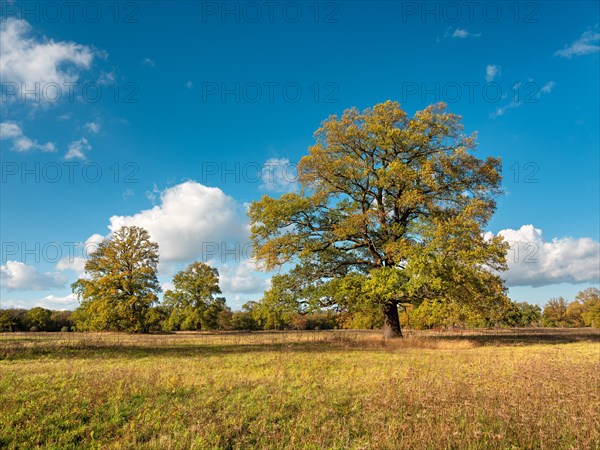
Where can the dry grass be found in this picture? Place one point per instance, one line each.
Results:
(479, 390)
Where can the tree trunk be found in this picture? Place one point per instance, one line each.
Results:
(391, 321)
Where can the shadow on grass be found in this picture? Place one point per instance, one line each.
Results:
(563, 336)
(135, 347)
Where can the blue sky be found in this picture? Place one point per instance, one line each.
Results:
(175, 115)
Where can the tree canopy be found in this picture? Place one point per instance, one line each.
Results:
(193, 303)
(120, 283)
(391, 209)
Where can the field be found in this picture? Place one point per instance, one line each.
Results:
(477, 390)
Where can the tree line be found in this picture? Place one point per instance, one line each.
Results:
(584, 311)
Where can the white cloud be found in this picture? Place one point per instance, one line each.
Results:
(192, 221)
(75, 263)
(93, 127)
(461, 33)
(588, 43)
(500, 111)
(148, 62)
(491, 72)
(55, 302)
(15, 275)
(21, 143)
(77, 149)
(68, 302)
(278, 175)
(533, 261)
(189, 85)
(27, 59)
(91, 244)
(241, 279)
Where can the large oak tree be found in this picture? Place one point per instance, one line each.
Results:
(120, 282)
(391, 210)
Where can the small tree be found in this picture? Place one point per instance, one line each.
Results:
(39, 318)
(193, 303)
(120, 283)
(590, 299)
(555, 313)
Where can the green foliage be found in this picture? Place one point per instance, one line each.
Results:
(396, 204)
(590, 312)
(279, 306)
(444, 314)
(60, 320)
(120, 284)
(244, 321)
(12, 319)
(155, 318)
(39, 318)
(584, 311)
(193, 304)
(522, 315)
(555, 313)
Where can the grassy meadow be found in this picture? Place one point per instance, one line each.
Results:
(513, 389)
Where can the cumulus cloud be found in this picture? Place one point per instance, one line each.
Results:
(241, 279)
(278, 175)
(588, 43)
(76, 264)
(148, 62)
(15, 275)
(27, 59)
(12, 132)
(491, 72)
(533, 261)
(77, 149)
(191, 220)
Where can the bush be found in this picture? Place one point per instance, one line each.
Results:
(33, 329)
(64, 330)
